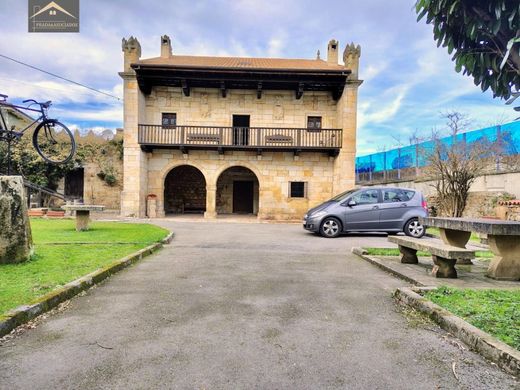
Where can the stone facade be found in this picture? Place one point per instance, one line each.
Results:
(324, 175)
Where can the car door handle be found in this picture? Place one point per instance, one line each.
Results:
(375, 208)
(404, 205)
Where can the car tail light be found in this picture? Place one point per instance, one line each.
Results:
(424, 205)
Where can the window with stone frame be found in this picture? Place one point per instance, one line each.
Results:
(297, 189)
(169, 119)
(314, 123)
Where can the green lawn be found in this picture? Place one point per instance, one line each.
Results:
(496, 312)
(395, 252)
(435, 232)
(62, 255)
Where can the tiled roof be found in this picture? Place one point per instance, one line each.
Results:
(243, 63)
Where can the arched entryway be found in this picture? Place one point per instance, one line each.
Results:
(184, 191)
(237, 191)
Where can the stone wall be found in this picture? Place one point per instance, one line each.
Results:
(274, 171)
(205, 107)
(484, 194)
(97, 191)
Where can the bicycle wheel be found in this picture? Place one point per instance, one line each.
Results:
(54, 142)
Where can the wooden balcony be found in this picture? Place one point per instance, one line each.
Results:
(239, 138)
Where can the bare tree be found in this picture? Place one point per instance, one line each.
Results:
(455, 165)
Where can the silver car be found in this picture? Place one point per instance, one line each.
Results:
(370, 209)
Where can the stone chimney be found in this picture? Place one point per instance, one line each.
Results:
(332, 52)
(351, 58)
(132, 52)
(166, 47)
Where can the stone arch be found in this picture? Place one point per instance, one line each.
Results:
(184, 190)
(237, 191)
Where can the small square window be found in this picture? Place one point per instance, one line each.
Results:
(297, 189)
(314, 123)
(169, 119)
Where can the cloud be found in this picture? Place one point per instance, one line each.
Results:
(408, 80)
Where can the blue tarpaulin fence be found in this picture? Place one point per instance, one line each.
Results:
(393, 162)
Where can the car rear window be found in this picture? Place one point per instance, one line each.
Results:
(397, 195)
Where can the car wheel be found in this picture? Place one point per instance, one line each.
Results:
(414, 229)
(330, 227)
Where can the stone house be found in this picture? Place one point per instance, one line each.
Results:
(220, 135)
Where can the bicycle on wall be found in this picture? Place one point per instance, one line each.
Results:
(52, 140)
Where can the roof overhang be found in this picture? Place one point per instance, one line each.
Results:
(185, 77)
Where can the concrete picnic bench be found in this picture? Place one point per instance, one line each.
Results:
(444, 256)
(83, 214)
(503, 239)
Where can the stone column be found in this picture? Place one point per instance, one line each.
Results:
(211, 202)
(344, 164)
(15, 233)
(135, 161)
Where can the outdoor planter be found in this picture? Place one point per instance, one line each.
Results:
(56, 213)
(39, 212)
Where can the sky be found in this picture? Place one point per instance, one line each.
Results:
(408, 81)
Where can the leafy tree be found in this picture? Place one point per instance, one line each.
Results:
(484, 37)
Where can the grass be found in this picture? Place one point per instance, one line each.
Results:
(395, 252)
(63, 255)
(435, 232)
(496, 312)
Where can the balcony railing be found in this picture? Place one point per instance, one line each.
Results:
(261, 138)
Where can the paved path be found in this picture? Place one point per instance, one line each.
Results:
(243, 306)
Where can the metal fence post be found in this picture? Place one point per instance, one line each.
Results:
(399, 163)
(499, 143)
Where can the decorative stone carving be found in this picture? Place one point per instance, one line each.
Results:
(314, 103)
(15, 234)
(278, 108)
(205, 108)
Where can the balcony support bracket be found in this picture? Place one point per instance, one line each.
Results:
(259, 90)
(299, 91)
(223, 89)
(185, 87)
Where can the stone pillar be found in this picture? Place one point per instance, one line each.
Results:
(344, 164)
(82, 220)
(15, 234)
(211, 202)
(135, 161)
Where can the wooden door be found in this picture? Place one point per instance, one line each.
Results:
(241, 130)
(243, 197)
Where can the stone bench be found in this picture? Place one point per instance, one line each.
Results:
(209, 138)
(444, 256)
(278, 139)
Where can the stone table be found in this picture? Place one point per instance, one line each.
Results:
(83, 214)
(503, 239)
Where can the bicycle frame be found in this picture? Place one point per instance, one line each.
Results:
(42, 116)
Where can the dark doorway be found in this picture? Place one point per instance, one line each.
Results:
(74, 181)
(243, 197)
(240, 130)
(238, 191)
(184, 191)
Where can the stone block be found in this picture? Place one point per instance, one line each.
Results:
(16, 243)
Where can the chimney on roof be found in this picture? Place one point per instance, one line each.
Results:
(166, 47)
(332, 52)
